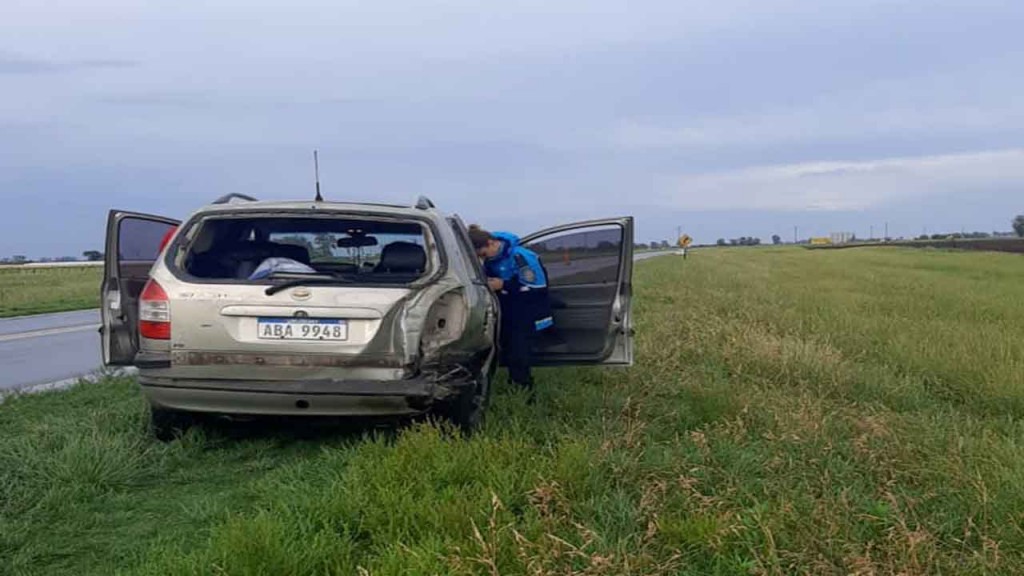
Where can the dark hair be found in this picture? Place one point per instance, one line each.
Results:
(479, 237)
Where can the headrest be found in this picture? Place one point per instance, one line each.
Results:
(293, 251)
(402, 257)
(204, 239)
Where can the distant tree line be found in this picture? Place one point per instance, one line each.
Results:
(664, 244)
(1018, 230)
(741, 241)
(320, 245)
(970, 235)
(88, 255)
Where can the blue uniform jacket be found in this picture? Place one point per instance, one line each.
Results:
(525, 292)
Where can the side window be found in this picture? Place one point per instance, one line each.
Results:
(469, 254)
(141, 240)
(584, 256)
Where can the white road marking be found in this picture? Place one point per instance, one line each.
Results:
(47, 332)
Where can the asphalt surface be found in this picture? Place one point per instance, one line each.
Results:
(53, 347)
(646, 255)
(48, 347)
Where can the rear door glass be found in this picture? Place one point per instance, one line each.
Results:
(140, 240)
(588, 256)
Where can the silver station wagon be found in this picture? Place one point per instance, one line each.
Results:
(339, 309)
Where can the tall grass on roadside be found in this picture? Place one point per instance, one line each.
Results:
(38, 290)
(791, 412)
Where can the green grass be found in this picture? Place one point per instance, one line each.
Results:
(38, 290)
(848, 412)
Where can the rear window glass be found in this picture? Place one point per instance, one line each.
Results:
(261, 249)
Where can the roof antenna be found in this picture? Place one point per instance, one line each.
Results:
(316, 171)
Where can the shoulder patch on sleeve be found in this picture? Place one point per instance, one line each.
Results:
(526, 272)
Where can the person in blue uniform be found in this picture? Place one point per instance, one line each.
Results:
(518, 277)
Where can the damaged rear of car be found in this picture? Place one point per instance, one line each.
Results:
(331, 309)
(257, 308)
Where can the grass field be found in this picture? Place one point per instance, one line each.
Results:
(791, 412)
(38, 290)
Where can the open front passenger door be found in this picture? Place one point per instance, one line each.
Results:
(134, 242)
(590, 276)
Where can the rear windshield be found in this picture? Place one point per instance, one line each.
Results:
(265, 249)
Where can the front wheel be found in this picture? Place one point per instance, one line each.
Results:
(167, 425)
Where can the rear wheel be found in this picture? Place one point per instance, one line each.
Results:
(466, 409)
(167, 425)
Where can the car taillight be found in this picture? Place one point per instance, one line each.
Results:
(167, 238)
(154, 312)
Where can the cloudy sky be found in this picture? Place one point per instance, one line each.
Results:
(726, 117)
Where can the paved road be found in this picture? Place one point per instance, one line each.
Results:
(646, 255)
(51, 347)
(47, 348)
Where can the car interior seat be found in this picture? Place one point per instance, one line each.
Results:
(402, 258)
(293, 251)
(204, 260)
(248, 255)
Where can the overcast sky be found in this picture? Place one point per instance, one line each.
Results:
(726, 117)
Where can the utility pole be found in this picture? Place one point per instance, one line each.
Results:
(871, 235)
(796, 236)
(886, 231)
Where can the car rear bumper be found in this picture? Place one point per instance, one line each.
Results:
(295, 398)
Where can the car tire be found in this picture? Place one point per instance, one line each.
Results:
(466, 409)
(168, 425)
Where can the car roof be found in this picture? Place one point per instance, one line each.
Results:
(323, 206)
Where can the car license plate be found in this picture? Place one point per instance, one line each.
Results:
(301, 329)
